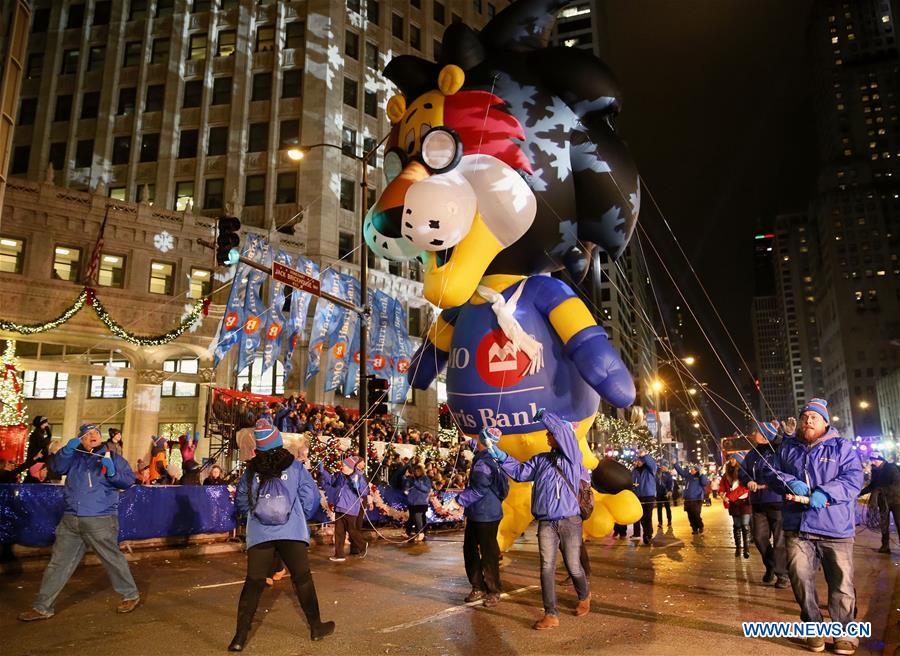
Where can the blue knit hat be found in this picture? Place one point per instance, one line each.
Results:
(266, 435)
(817, 405)
(876, 456)
(84, 429)
(768, 429)
(739, 456)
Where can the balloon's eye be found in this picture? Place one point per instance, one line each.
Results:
(441, 150)
(393, 165)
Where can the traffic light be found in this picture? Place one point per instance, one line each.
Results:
(228, 240)
(377, 396)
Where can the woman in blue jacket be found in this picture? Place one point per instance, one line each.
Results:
(417, 489)
(277, 494)
(694, 485)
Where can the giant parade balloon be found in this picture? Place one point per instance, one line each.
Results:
(503, 166)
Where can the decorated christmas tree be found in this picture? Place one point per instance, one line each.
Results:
(620, 436)
(12, 398)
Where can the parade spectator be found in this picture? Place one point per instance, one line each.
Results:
(557, 475)
(886, 481)
(190, 473)
(344, 490)
(695, 483)
(766, 521)
(215, 477)
(159, 461)
(278, 527)
(417, 489)
(817, 463)
(94, 477)
(188, 446)
(736, 498)
(664, 486)
(483, 503)
(643, 478)
(115, 443)
(39, 440)
(9, 472)
(37, 473)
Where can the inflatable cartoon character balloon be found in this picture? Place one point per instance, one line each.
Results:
(502, 165)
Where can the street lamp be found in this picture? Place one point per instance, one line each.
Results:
(689, 360)
(695, 413)
(297, 153)
(657, 385)
(863, 405)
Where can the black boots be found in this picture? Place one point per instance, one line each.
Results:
(246, 610)
(745, 533)
(737, 542)
(309, 602)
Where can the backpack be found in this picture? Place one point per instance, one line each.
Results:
(273, 502)
(584, 494)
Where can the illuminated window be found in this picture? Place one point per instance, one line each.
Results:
(66, 263)
(177, 388)
(226, 45)
(262, 380)
(112, 270)
(162, 278)
(265, 38)
(197, 49)
(184, 195)
(45, 385)
(108, 387)
(11, 255)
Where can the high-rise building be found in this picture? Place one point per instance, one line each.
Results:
(856, 208)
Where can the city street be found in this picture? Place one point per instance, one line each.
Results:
(684, 595)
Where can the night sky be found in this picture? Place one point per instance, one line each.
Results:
(718, 113)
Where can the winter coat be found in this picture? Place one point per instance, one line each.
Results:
(38, 445)
(760, 459)
(88, 491)
(417, 490)
(285, 423)
(115, 447)
(736, 496)
(694, 485)
(305, 501)
(552, 496)
(480, 497)
(664, 484)
(644, 478)
(886, 479)
(344, 492)
(829, 464)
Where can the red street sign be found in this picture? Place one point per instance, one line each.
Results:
(295, 279)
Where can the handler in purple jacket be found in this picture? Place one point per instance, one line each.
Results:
(345, 491)
(818, 463)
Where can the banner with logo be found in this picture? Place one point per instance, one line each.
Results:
(254, 308)
(351, 375)
(379, 333)
(402, 352)
(665, 427)
(274, 331)
(339, 351)
(299, 309)
(652, 424)
(324, 322)
(233, 321)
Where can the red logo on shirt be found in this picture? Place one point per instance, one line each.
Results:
(497, 361)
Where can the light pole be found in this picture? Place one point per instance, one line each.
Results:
(297, 153)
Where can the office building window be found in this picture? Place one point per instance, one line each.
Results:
(227, 42)
(121, 150)
(373, 11)
(12, 255)
(218, 141)
(67, 263)
(371, 55)
(397, 26)
(353, 5)
(345, 246)
(117, 193)
(35, 65)
(138, 9)
(370, 102)
(27, 111)
(348, 141)
(75, 19)
(368, 146)
(162, 277)
(258, 138)
(58, 155)
(476, 5)
(255, 191)
(265, 38)
(290, 132)
(149, 147)
(201, 6)
(197, 49)
(292, 83)
(201, 282)
(108, 387)
(351, 91)
(436, 49)
(102, 12)
(139, 193)
(20, 158)
(160, 52)
(286, 191)
(214, 197)
(84, 153)
(415, 319)
(184, 195)
(439, 12)
(45, 384)
(156, 94)
(90, 104)
(70, 62)
(63, 108)
(96, 57)
(351, 44)
(41, 21)
(112, 270)
(262, 86)
(164, 8)
(132, 55)
(348, 194)
(127, 101)
(491, 10)
(262, 380)
(182, 366)
(187, 143)
(294, 34)
(221, 92)
(193, 94)
(415, 37)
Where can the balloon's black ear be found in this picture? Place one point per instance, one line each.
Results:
(462, 47)
(412, 75)
(610, 477)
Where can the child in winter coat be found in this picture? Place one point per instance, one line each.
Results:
(736, 498)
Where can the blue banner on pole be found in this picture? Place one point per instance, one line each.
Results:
(297, 318)
(274, 331)
(339, 350)
(351, 376)
(323, 323)
(379, 334)
(402, 353)
(233, 322)
(254, 310)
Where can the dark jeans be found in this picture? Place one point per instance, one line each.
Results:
(554, 536)
(692, 508)
(347, 525)
(804, 555)
(259, 561)
(646, 520)
(660, 504)
(768, 537)
(73, 536)
(416, 522)
(886, 511)
(620, 529)
(482, 555)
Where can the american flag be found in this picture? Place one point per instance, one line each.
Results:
(93, 269)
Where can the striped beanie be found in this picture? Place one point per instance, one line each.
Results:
(266, 435)
(817, 405)
(739, 456)
(350, 462)
(158, 442)
(768, 429)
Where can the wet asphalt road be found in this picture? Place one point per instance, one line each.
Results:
(684, 595)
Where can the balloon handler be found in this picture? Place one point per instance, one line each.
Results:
(481, 193)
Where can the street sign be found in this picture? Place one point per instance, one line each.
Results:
(295, 279)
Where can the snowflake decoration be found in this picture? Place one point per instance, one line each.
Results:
(164, 242)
